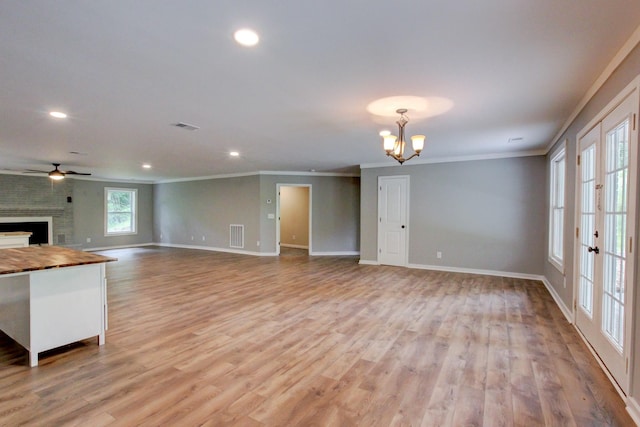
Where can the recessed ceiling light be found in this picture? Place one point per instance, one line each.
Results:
(246, 37)
(58, 114)
(234, 153)
(146, 166)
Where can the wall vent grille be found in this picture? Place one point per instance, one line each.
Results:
(236, 236)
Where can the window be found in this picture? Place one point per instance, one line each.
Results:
(120, 211)
(556, 208)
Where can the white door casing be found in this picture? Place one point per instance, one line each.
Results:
(277, 215)
(606, 200)
(393, 197)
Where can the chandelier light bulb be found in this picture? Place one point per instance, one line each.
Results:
(389, 143)
(417, 142)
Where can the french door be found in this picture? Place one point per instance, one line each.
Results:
(606, 203)
(393, 193)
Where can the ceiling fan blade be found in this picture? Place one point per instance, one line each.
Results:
(74, 173)
(34, 171)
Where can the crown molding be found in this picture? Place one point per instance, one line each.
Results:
(626, 49)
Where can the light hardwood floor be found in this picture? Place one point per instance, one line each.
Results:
(203, 338)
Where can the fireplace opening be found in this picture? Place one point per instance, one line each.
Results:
(39, 229)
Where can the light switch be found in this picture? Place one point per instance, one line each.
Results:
(271, 216)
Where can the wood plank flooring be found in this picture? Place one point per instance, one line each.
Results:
(214, 339)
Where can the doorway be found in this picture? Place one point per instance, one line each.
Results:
(393, 219)
(293, 232)
(606, 177)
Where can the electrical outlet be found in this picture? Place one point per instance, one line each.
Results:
(203, 238)
(88, 239)
(293, 237)
(191, 237)
(439, 255)
(258, 243)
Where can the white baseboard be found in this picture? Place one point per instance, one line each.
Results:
(563, 308)
(368, 262)
(214, 249)
(106, 248)
(287, 245)
(477, 271)
(335, 253)
(633, 408)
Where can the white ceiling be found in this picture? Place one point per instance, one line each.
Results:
(125, 70)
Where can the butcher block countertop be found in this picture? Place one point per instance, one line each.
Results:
(15, 233)
(32, 258)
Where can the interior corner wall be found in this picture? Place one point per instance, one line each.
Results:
(198, 213)
(619, 79)
(88, 214)
(482, 215)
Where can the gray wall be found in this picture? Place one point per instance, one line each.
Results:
(88, 214)
(23, 195)
(485, 215)
(207, 208)
(621, 77)
(335, 206)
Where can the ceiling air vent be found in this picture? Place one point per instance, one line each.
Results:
(185, 126)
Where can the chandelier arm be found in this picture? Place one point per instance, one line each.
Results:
(412, 156)
(400, 159)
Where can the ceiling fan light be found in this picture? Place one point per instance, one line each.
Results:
(56, 175)
(417, 142)
(389, 143)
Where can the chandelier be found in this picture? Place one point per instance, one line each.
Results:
(394, 146)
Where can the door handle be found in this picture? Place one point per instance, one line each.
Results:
(596, 250)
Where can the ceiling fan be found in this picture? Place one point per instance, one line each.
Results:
(56, 174)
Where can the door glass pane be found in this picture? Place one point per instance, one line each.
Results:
(587, 228)
(615, 222)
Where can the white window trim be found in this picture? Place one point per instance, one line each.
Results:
(107, 233)
(560, 153)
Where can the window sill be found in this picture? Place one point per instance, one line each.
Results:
(120, 234)
(557, 265)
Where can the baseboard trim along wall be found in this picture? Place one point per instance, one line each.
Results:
(510, 274)
(107, 248)
(633, 408)
(335, 253)
(563, 308)
(287, 245)
(213, 249)
(243, 252)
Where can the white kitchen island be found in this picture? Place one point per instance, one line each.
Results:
(52, 296)
(14, 239)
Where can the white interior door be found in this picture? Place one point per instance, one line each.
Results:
(606, 204)
(392, 220)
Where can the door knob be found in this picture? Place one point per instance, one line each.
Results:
(596, 250)
(403, 226)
